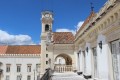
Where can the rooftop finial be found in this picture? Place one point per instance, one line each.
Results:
(92, 8)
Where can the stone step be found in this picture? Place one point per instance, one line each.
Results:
(66, 76)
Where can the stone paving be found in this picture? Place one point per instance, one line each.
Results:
(66, 76)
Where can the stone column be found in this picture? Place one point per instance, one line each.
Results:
(76, 61)
(110, 71)
(81, 62)
(84, 62)
(88, 62)
(102, 57)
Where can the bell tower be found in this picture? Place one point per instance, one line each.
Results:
(46, 21)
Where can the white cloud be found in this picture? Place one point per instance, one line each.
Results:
(6, 38)
(65, 30)
(71, 30)
(79, 25)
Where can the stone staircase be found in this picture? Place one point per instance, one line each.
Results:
(66, 76)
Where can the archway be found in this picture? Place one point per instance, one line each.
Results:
(63, 63)
(67, 58)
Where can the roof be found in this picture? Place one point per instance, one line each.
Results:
(63, 37)
(92, 14)
(3, 49)
(20, 49)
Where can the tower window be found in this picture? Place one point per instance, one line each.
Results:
(46, 27)
(46, 62)
(46, 55)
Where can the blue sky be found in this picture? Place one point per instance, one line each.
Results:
(20, 19)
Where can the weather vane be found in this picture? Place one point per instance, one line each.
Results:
(92, 8)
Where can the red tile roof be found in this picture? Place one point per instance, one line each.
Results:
(3, 49)
(92, 14)
(20, 49)
(63, 37)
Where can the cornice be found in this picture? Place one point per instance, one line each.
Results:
(19, 55)
(111, 28)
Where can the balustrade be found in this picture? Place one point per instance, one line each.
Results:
(63, 68)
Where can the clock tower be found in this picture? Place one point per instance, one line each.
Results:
(47, 21)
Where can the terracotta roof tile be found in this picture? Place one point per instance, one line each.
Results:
(3, 49)
(63, 37)
(21, 49)
(92, 14)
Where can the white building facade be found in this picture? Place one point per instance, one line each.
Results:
(98, 43)
(21, 64)
(94, 51)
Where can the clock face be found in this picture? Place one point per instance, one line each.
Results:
(47, 15)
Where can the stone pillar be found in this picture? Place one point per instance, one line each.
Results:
(102, 58)
(88, 62)
(76, 61)
(110, 71)
(92, 62)
(81, 62)
(84, 62)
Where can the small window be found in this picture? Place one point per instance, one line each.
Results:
(46, 27)
(19, 77)
(46, 55)
(46, 62)
(8, 67)
(29, 68)
(18, 68)
(38, 67)
(29, 77)
(7, 77)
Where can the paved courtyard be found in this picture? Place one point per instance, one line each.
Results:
(66, 76)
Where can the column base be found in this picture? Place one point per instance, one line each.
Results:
(87, 76)
(79, 73)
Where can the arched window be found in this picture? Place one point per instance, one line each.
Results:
(46, 27)
(108, 21)
(112, 19)
(105, 23)
(116, 16)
